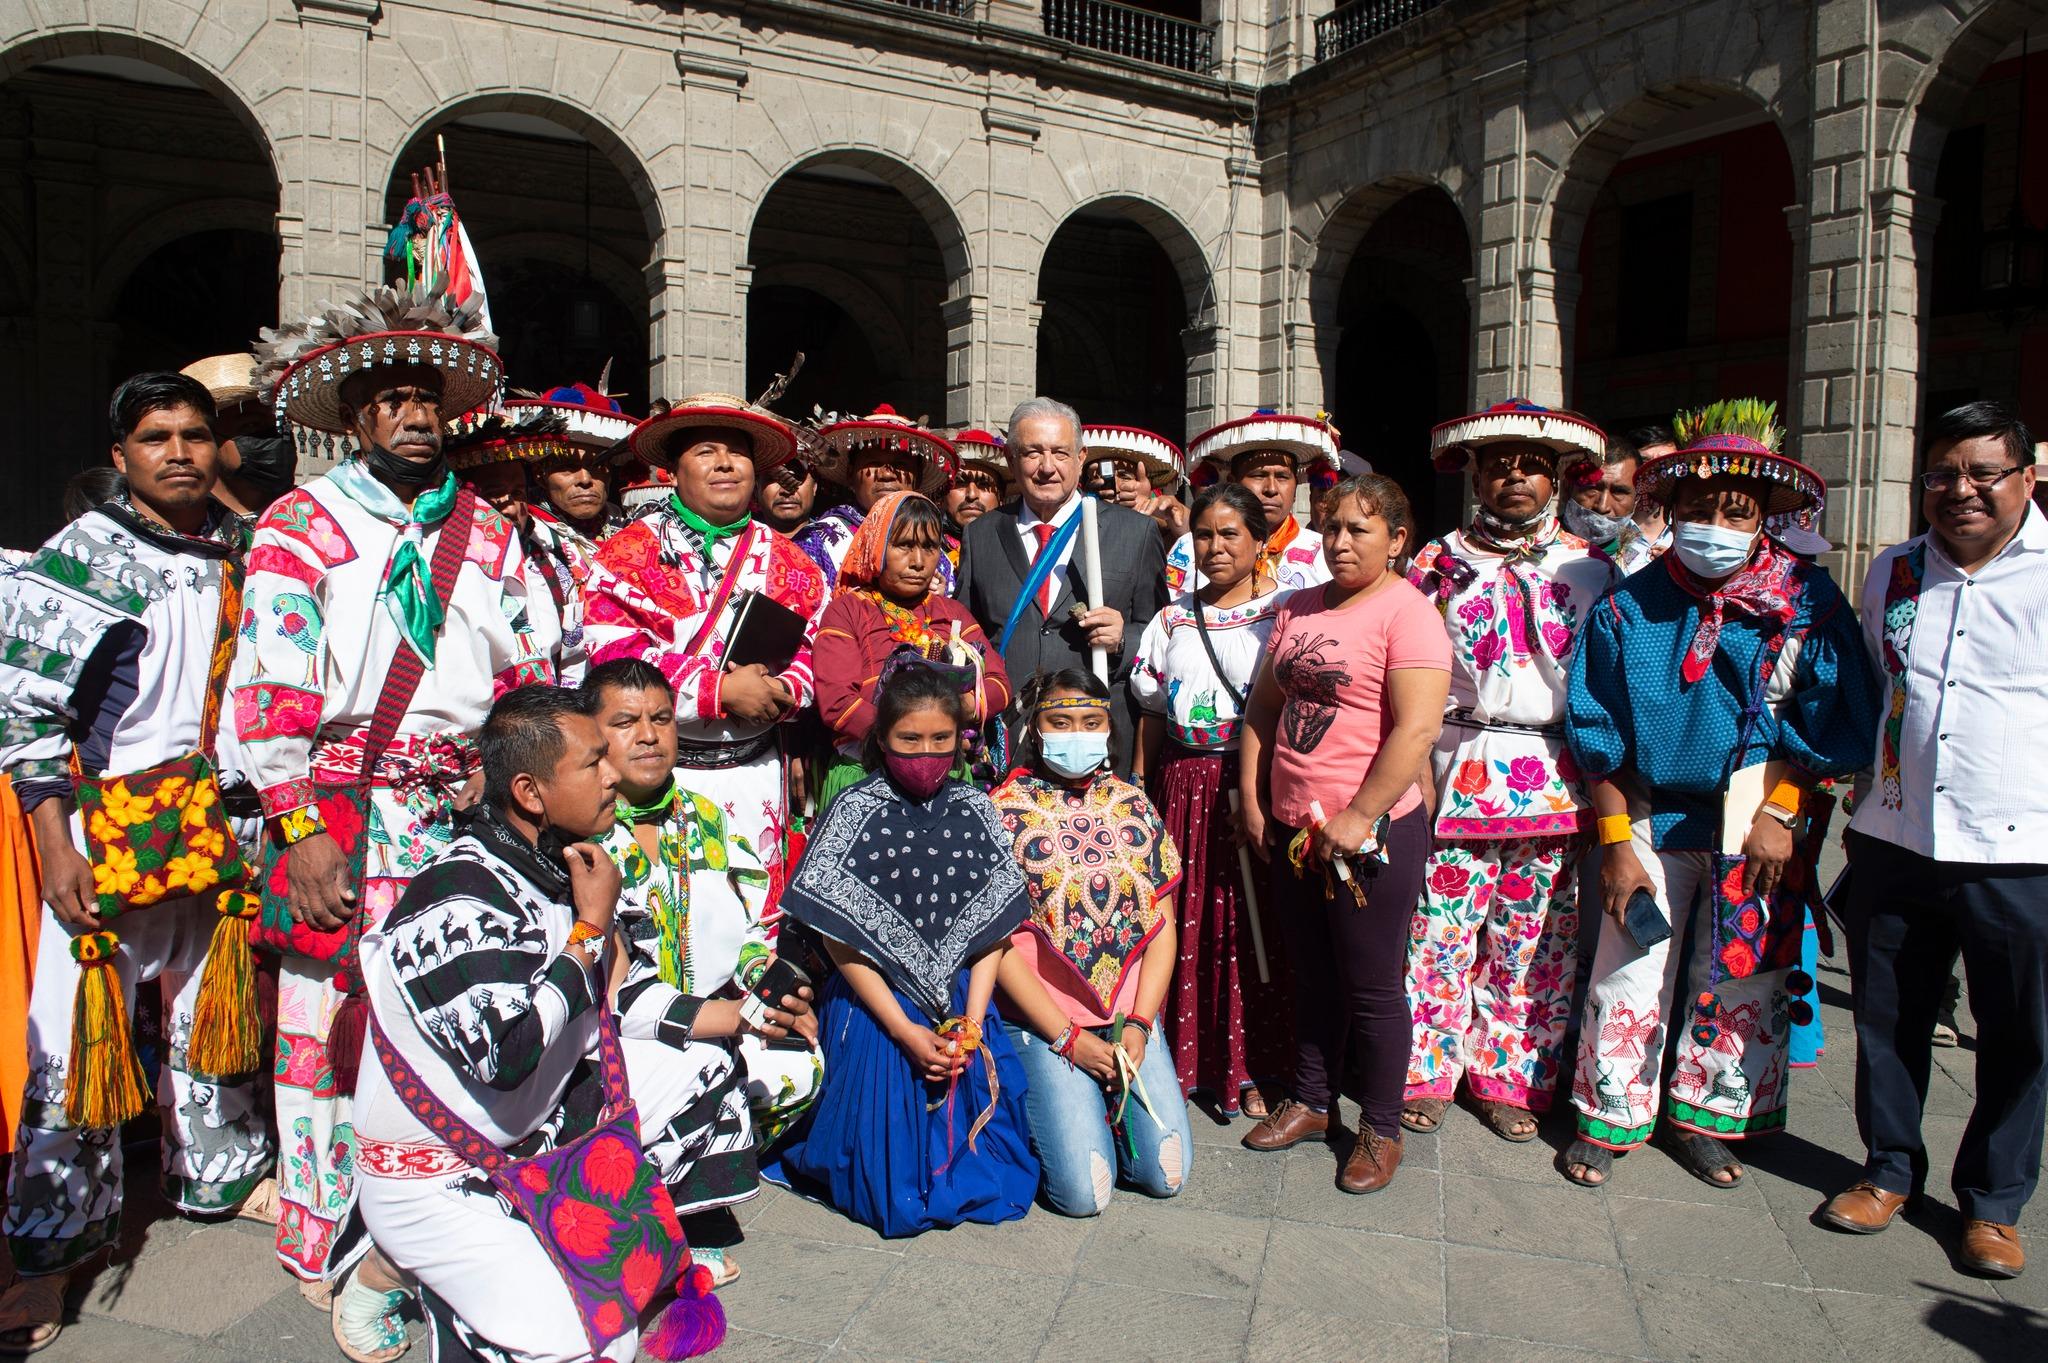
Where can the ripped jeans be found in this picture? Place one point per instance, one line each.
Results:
(1082, 1158)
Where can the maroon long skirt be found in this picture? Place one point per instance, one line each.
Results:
(1228, 1029)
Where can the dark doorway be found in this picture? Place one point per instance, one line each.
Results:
(1110, 333)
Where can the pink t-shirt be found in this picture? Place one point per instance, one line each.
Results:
(1332, 668)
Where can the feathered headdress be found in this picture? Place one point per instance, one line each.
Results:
(300, 366)
(523, 434)
(1740, 437)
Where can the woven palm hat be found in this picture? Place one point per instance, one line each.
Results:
(886, 430)
(1309, 439)
(301, 366)
(654, 439)
(1518, 420)
(227, 377)
(1740, 437)
(1164, 462)
(984, 450)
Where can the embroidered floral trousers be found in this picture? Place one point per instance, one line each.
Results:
(64, 1189)
(1491, 960)
(1730, 1085)
(318, 1235)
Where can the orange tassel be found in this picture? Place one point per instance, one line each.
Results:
(227, 1033)
(106, 1085)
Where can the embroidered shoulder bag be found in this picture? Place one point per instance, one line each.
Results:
(595, 1204)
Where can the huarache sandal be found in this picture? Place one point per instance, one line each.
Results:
(1424, 1114)
(261, 1205)
(366, 1322)
(723, 1269)
(32, 1315)
(1504, 1119)
(1703, 1157)
(1589, 1159)
(1252, 1103)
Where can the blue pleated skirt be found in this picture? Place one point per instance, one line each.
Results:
(876, 1146)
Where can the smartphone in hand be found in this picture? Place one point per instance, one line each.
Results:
(1644, 921)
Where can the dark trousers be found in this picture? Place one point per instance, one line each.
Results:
(1350, 972)
(1908, 916)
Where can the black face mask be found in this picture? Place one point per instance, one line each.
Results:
(392, 468)
(270, 464)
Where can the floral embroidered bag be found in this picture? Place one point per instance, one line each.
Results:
(596, 1205)
(162, 834)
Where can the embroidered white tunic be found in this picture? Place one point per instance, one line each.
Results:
(1173, 677)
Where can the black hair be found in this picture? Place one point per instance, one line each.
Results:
(908, 686)
(1380, 495)
(522, 735)
(142, 394)
(1975, 420)
(1631, 443)
(626, 674)
(1036, 690)
(917, 513)
(1238, 498)
(87, 488)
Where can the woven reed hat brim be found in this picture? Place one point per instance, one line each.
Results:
(845, 439)
(309, 393)
(653, 440)
(226, 377)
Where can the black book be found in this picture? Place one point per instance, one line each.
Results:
(764, 631)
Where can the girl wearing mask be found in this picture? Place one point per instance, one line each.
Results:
(884, 603)
(1711, 692)
(1194, 670)
(1086, 974)
(1338, 732)
(909, 878)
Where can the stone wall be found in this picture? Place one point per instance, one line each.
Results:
(1260, 182)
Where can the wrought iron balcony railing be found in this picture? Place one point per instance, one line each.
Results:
(1128, 32)
(1363, 20)
(957, 9)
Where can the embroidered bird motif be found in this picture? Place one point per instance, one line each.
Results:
(298, 619)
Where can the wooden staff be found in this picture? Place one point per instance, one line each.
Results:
(1251, 894)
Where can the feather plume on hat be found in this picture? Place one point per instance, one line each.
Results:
(300, 365)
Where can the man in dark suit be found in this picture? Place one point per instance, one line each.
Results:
(997, 552)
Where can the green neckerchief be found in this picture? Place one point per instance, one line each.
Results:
(408, 589)
(709, 533)
(655, 808)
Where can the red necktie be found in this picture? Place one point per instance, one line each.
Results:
(1044, 531)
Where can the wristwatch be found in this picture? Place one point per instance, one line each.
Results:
(1770, 809)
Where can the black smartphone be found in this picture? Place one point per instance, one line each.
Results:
(1644, 921)
(767, 986)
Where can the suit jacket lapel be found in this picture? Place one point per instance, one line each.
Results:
(1013, 544)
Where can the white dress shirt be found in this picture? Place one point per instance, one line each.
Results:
(1027, 518)
(1973, 747)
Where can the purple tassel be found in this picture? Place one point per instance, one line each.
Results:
(691, 1326)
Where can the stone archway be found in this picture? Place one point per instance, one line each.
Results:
(854, 257)
(180, 263)
(1126, 315)
(1389, 295)
(564, 222)
(1676, 257)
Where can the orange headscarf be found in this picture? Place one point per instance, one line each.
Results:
(870, 546)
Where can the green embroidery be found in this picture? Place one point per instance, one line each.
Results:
(1720, 1123)
(1606, 1132)
(82, 577)
(33, 657)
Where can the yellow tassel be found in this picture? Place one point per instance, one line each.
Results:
(227, 1033)
(106, 1085)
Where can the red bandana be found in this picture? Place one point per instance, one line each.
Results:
(1762, 588)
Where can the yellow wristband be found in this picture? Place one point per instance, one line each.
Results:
(1615, 828)
(1786, 796)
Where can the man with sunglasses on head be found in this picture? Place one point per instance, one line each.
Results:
(1946, 849)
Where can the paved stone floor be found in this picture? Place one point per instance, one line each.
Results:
(1480, 1250)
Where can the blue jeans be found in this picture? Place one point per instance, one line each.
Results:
(1081, 1158)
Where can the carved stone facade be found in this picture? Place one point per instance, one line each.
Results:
(1443, 212)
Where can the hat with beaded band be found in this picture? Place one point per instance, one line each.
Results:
(592, 419)
(1739, 437)
(1164, 464)
(886, 430)
(1311, 442)
(1519, 420)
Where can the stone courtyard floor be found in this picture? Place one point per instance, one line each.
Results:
(1479, 1250)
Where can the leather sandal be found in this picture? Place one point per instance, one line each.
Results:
(1424, 1115)
(32, 1315)
(1703, 1157)
(1593, 1159)
(1502, 1119)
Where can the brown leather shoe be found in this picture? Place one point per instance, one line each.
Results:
(1371, 1164)
(1863, 1208)
(1288, 1125)
(1992, 1250)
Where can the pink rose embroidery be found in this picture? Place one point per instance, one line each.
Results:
(1527, 773)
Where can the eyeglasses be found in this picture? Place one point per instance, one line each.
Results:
(1941, 480)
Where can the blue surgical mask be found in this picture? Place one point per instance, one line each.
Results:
(1074, 755)
(1711, 551)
